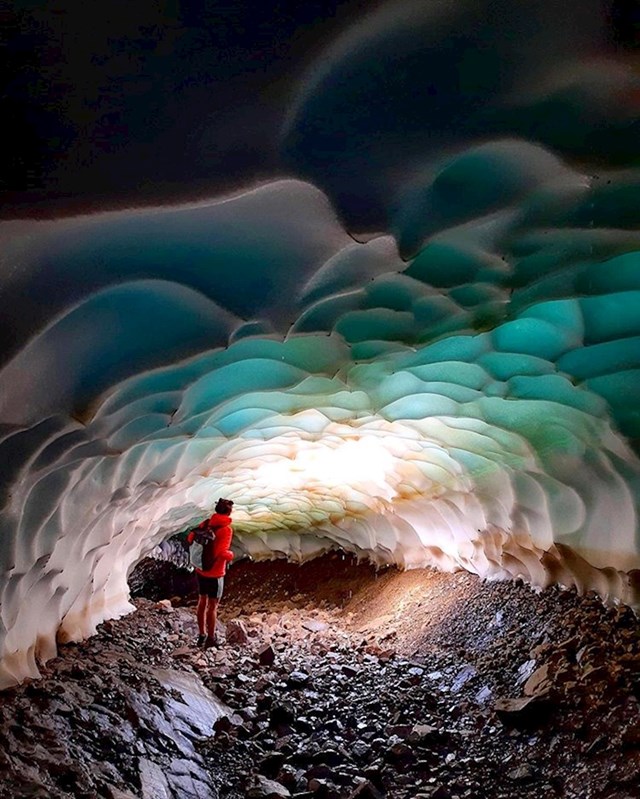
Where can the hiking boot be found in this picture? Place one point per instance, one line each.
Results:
(211, 642)
(201, 639)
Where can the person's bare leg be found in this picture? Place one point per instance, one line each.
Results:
(212, 618)
(202, 611)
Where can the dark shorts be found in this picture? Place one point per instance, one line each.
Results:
(210, 586)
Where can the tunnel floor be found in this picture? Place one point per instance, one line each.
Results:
(337, 680)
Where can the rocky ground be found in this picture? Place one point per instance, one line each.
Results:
(337, 681)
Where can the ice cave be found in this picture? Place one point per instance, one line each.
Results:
(371, 271)
(417, 340)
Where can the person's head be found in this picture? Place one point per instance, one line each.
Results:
(224, 506)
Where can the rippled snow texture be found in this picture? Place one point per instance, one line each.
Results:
(460, 391)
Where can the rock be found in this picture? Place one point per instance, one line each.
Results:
(538, 682)
(333, 725)
(237, 633)
(631, 662)
(319, 772)
(289, 775)
(399, 754)
(374, 772)
(304, 725)
(366, 790)
(570, 645)
(248, 713)
(484, 695)
(525, 671)
(263, 788)
(360, 750)
(323, 789)
(187, 787)
(399, 730)
(350, 671)
(227, 723)
(266, 655)
(463, 676)
(263, 702)
(523, 773)
(497, 620)
(179, 766)
(437, 792)
(188, 780)
(298, 679)
(117, 793)
(271, 764)
(315, 626)
(523, 711)
(282, 713)
(329, 757)
(153, 783)
(183, 652)
(197, 708)
(422, 732)
(596, 674)
(631, 735)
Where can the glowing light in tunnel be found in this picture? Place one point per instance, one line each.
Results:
(348, 464)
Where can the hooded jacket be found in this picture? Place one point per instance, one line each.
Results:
(220, 526)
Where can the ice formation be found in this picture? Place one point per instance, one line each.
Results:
(460, 390)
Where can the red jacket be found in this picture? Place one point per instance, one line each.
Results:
(220, 526)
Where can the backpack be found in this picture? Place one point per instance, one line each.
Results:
(201, 552)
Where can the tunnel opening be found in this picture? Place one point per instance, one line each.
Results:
(165, 573)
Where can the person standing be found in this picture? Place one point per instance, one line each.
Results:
(215, 534)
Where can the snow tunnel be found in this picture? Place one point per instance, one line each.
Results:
(451, 379)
